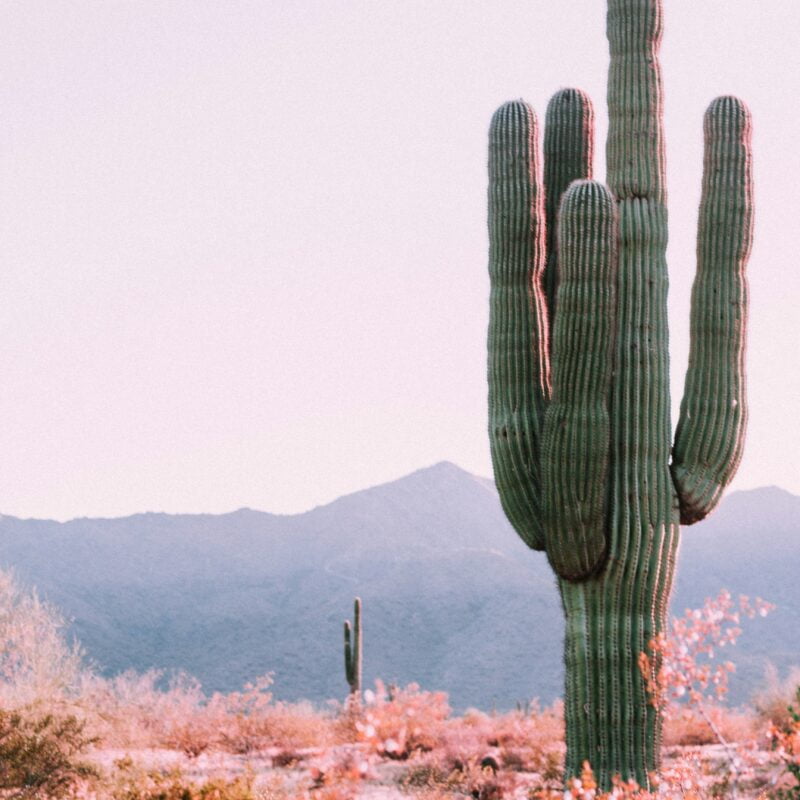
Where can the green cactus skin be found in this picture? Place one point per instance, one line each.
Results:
(579, 427)
(568, 153)
(522, 256)
(708, 439)
(577, 431)
(352, 650)
(519, 371)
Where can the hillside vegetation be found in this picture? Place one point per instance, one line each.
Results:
(455, 599)
(66, 731)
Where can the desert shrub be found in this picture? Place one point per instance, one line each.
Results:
(785, 740)
(489, 756)
(428, 773)
(39, 755)
(131, 782)
(773, 699)
(37, 664)
(294, 725)
(516, 742)
(688, 727)
(42, 732)
(433, 774)
(40, 669)
(480, 781)
(131, 710)
(531, 742)
(398, 723)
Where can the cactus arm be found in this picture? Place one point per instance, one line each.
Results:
(635, 144)
(575, 448)
(348, 653)
(519, 371)
(568, 156)
(710, 433)
(357, 648)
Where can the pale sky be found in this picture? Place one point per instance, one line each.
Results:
(243, 244)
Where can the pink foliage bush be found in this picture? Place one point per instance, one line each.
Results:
(131, 710)
(398, 722)
(679, 664)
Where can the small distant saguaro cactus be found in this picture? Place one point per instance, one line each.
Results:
(352, 651)
(579, 409)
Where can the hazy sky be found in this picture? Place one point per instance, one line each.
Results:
(243, 244)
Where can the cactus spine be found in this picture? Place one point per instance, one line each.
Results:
(578, 371)
(352, 651)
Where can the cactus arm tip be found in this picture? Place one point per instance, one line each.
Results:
(348, 652)
(568, 156)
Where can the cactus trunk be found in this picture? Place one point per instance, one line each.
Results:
(353, 640)
(610, 619)
(579, 373)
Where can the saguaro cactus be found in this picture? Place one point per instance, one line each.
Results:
(578, 371)
(352, 650)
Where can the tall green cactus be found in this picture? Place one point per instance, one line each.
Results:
(352, 651)
(579, 404)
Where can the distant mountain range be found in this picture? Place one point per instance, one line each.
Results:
(452, 598)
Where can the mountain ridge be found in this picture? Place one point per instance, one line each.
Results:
(437, 466)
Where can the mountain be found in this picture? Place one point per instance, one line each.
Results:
(452, 598)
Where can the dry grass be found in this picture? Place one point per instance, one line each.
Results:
(689, 726)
